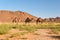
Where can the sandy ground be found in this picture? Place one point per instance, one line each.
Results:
(40, 34)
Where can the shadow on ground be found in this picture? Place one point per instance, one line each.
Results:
(56, 37)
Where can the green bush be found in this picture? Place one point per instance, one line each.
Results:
(4, 28)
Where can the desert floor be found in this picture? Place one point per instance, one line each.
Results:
(40, 34)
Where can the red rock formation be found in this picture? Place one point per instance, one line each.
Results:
(19, 16)
(8, 16)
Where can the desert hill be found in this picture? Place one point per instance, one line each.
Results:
(17, 16)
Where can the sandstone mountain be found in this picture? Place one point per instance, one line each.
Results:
(15, 16)
(19, 16)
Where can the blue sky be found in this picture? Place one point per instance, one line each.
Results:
(39, 8)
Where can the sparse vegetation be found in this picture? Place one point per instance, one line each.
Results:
(23, 33)
(15, 35)
(26, 29)
(55, 31)
(4, 28)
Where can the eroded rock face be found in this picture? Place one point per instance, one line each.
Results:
(15, 16)
(19, 16)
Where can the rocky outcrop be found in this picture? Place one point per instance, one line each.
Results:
(56, 20)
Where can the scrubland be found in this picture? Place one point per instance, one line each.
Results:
(28, 31)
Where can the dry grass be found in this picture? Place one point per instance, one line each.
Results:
(4, 28)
